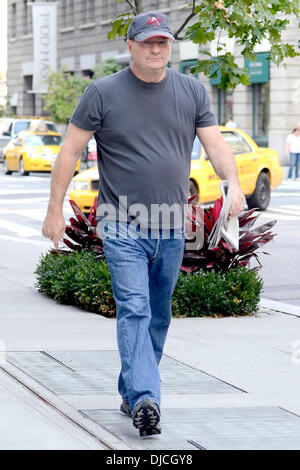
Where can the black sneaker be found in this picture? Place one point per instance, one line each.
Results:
(146, 417)
(125, 408)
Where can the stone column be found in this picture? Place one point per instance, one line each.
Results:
(284, 97)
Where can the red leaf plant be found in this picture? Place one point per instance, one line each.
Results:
(223, 257)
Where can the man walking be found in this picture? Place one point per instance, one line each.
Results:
(144, 119)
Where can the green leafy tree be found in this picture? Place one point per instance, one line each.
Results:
(62, 95)
(247, 21)
(64, 90)
(109, 67)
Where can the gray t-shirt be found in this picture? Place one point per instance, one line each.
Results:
(144, 134)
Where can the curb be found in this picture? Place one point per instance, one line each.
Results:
(282, 307)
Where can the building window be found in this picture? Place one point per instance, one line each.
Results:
(260, 112)
(27, 17)
(28, 96)
(88, 11)
(87, 74)
(13, 20)
(110, 9)
(67, 9)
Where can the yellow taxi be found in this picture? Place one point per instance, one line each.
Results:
(32, 151)
(259, 172)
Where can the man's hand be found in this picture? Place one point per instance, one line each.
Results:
(238, 200)
(54, 226)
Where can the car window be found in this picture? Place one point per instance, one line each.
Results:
(236, 142)
(196, 152)
(21, 126)
(43, 140)
(51, 127)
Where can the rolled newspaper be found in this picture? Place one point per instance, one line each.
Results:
(225, 227)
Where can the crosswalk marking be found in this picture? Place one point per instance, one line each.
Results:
(20, 229)
(45, 244)
(284, 194)
(17, 202)
(35, 214)
(9, 178)
(10, 192)
(266, 215)
(283, 210)
(291, 207)
(290, 183)
(278, 214)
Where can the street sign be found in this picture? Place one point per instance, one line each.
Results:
(259, 70)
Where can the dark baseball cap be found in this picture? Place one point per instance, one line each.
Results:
(148, 25)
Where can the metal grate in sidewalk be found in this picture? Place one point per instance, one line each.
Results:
(96, 373)
(253, 428)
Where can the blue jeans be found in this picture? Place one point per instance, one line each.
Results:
(294, 163)
(144, 273)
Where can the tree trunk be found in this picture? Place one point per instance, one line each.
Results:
(139, 6)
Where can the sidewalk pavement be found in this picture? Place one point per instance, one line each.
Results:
(229, 383)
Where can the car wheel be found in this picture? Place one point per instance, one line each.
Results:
(261, 196)
(193, 189)
(22, 171)
(6, 171)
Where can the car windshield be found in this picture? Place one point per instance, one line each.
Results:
(43, 140)
(196, 152)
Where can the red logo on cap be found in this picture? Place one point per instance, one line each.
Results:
(152, 20)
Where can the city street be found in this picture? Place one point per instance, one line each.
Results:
(23, 203)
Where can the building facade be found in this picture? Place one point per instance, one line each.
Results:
(267, 109)
(3, 53)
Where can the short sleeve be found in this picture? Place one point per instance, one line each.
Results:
(205, 116)
(88, 112)
(289, 139)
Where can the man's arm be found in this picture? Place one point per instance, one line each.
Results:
(75, 141)
(224, 164)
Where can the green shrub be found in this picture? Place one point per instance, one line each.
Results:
(236, 292)
(78, 279)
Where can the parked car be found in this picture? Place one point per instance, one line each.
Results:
(32, 151)
(10, 127)
(259, 172)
